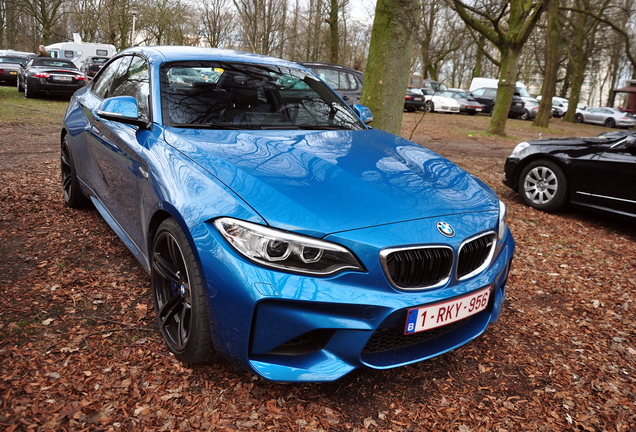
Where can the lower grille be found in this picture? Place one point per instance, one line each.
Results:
(388, 339)
(418, 268)
(475, 255)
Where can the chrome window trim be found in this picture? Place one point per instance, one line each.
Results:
(385, 252)
(486, 262)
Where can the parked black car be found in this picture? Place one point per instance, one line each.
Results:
(9, 66)
(467, 103)
(593, 173)
(92, 65)
(346, 81)
(414, 101)
(46, 75)
(486, 96)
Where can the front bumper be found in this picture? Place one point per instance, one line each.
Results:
(288, 327)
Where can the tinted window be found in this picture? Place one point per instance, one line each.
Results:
(68, 54)
(491, 93)
(478, 92)
(132, 80)
(102, 83)
(250, 96)
(101, 52)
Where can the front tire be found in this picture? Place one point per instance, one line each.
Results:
(543, 185)
(179, 296)
(73, 196)
(578, 118)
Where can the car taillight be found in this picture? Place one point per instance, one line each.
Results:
(42, 75)
(79, 77)
(408, 97)
(1, 71)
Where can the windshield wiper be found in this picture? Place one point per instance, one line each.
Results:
(212, 126)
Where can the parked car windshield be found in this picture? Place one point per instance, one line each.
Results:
(523, 92)
(218, 95)
(12, 60)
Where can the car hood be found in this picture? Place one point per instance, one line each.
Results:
(321, 182)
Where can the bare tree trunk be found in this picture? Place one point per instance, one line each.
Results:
(387, 71)
(551, 66)
(333, 32)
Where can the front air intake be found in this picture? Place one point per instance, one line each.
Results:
(416, 268)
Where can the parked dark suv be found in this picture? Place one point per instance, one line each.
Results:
(347, 82)
(486, 96)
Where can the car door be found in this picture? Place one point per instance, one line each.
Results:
(118, 149)
(596, 116)
(613, 178)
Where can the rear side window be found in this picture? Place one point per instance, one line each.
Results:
(100, 52)
(68, 54)
(491, 93)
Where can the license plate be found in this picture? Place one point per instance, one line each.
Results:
(13, 73)
(417, 99)
(62, 78)
(478, 109)
(430, 317)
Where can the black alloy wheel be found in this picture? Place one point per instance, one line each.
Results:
(27, 93)
(610, 122)
(70, 184)
(543, 185)
(179, 296)
(578, 118)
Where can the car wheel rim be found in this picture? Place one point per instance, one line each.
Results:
(171, 287)
(541, 185)
(67, 174)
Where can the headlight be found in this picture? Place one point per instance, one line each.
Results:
(502, 221)
(286, 251)
(520, 147)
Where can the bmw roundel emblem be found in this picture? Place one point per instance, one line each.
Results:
(445, 229)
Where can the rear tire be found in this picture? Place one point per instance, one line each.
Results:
(73, 196)
(525, 115)
(411, 108)
(20, 88)
(179, 296)
(610, 122)
(543, 185)
(430, 106)
(27, 93)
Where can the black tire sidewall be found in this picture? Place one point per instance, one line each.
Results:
(199, 347)
(75, 198)
(560, 198)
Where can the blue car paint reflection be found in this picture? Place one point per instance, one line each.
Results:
(362, 189)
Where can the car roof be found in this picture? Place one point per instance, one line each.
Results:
(335, 66)
(164, 54)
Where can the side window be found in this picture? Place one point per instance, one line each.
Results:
(329, 76)
(491, 93)
(132, 80)
(102, 83)
(478, 92)
(68, 54)
(353, 84)
(102, 53)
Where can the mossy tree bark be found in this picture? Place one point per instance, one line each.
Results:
(388, 65)
(508, 28)
(334, 38)
(551, 66)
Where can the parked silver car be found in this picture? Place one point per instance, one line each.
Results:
(609, 117)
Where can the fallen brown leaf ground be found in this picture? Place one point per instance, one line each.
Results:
(79, 349)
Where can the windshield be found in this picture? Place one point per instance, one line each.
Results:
(44, 61)
(12, 60)
(218, 95)
(523, 92)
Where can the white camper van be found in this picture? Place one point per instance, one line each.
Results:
(78, 52)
